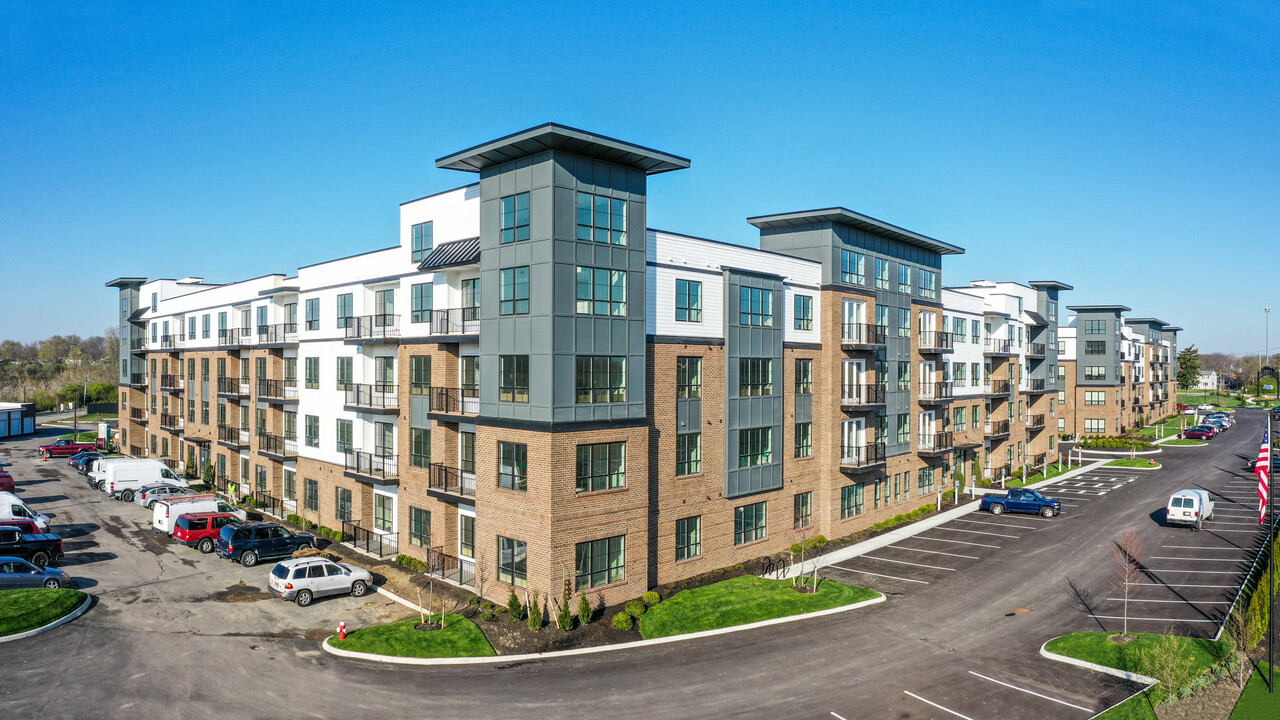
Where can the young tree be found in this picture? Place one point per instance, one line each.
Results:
(1127, 552)
(1188, 368)
(191, 472)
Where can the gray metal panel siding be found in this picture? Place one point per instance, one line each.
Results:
(752, 412)
(1040, 369)
(1108, 358)
(688, 415)
(804, 408)
(419, 407)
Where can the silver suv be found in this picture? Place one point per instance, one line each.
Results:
(149, 495)
(304, 579)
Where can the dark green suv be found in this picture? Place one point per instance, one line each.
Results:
(247, 543)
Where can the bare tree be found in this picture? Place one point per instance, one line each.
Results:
(1127, 553)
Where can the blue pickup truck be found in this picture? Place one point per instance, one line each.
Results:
(1021, 500)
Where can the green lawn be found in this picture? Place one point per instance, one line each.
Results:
(30, 608)
(459, 638)
(1187, 443)
(744, 599)
(1171, 426)
(96, 417)
(82, 437)
(1226, 401)
(1131, 462)
(1051, 472)
(1255, 702)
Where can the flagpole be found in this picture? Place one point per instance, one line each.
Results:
(1271, 584)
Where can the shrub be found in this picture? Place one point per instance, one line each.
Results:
(486, 605)
(486, 614)
(514, 607)
(535, 614)
(652, 597)
(635, 608)
(412, 563)
(473, 600)
(585, 613)
(622, 621)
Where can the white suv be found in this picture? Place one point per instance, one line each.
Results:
(304, 579)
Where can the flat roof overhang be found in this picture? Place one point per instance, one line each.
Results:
(845, 216)
(553, 136)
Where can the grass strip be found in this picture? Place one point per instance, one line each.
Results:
(30, 608)
(1187, 443)
(1255, 702)
(459, 638)
(1132, 462)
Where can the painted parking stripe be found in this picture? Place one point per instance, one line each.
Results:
(935, 552)
(1184, 602)
(904, 562)
(838, 717)
(1229, 522)
(1029, 692)
(1249, 532)
(977, 532)
(947, 710)
(1173, 585)
(891, 577)
(957, 542)
(1197, 547)
(994, 524)
(1166, 557)
(1069, 505)
(1149, 619)
(1201, 572)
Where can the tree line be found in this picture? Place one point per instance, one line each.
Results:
(60, 369)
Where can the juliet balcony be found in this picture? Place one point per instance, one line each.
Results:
(372, 329)
(862, 335)
(936, 393)
(936, 342)
(862, 396)
(861, 457)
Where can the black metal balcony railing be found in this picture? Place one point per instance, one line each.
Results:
(170, 342)
(996, 471)
(136, 451)
(861, 455)
(452, 480)
(996, 427)
(137, 344)
(233, 386)
(936, 391)
(170, 382)
(1036, 385)
(872, 394)
(1035, 422)
(234, 436)
(376, 464)
(937, 442)
(171, 463)
(999, 387)
(449, 567)
(361, 538)
(138, 415)
(1001, 347)
(137, 378)
(171, 423)
(230, 336)
(455, 321)
(375, 395)
(456, 401)
(281, 445)
(936, 341)
(1035, 348)
(863, 334)
(279, 333)
(372, 327)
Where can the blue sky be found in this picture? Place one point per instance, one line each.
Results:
(1128, 149)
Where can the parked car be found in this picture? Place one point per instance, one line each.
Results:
(200, 530)
(66, 447)
(12, 508)
(6, 482)
(165, 513)
(148, 495)
(83, 462)
(1251, 463)
(97, 475)
(71, 460)
(1189, 507)
(18, 573)
(1206, 406)
(1182, 407)
(26, 527)
(124, 479)
(303, 579)
(1219, 426)
(1199, 432)
(40, 549)
(1020, 500)
(246, 543)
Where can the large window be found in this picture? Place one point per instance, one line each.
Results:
(755, 446)
(311, 500)
(601, 379)
(419, 374)
(882, 274)
(420, 298)
(1095, 397)
(342, 505)
(290, 485)
(311, 371)
(419, 527)
(1095, 347)
(514, 220)
(384, 513)
(803, 312)
(344, 365)
(755, 307)
(755, 377)
(904, 278)
(419, 448)
(513, 466)
(801, 510)
(343, 440)
(925, 480)
(602, 466)
(688, 453)
(1095, 425)
(513, 378)
(958, 419)
(904, 428)
(1095, 327)
(688, 537)
(804, 376)
(928, 284)
(512, 558)
(204, 326)
(513, 291)
(688, 377)
(804, 440)
(850, 501)
(346, 310)
(602, 291)
(688, 301)
(852, 267)
(904, 322)
(422, 241)
(749, 523)
(1096, 372)
(313, 314)
(600, 562)
(311, 425)
(602, 219)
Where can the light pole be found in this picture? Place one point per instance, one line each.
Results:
(1266, 352)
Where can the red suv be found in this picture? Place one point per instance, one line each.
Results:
(6, 482)
(200, 530)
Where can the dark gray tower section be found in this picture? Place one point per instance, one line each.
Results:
(1045, 331)
(1101, 325)
(132, 362)
(752, 342)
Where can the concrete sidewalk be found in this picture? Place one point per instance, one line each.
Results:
(915, 528)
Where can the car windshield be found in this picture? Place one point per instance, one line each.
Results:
(279, 571)
(1176, 502)
(1035, 494)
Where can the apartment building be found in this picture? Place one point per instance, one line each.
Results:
(1118, 372)
(532, 387)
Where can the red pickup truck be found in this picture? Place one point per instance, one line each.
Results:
(67, 447)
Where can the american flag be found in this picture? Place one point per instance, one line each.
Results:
(1263, 469)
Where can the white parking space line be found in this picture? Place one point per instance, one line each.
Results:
(1200, 572)
(1229, 522)
(957, 542)
(1069, 505)
(1172, 585)
(995, 524)
(976, 532)
(1165, 557)
(1247, 532)
(891, 577)
(1184, 602)
(943, 709)
(935, 552)
(1196, 547)
(904, 562)
(837, 716)
(1149, 619)
(1030, 692)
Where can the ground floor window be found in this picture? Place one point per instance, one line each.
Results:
(384, 513)
(926, 480)
(688, 537)
(512, 559)
(850, 501)
(1095, 425)
(600, 562)
(260, 478)
(290, 485)
(312, 499)
(419, 527)
(803, 507)
(749, 523)
(342, 502)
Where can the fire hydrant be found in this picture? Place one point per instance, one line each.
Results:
(1151, 463)
(342, 631)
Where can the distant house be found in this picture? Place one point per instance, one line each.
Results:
(1208, 380)
(17, 419)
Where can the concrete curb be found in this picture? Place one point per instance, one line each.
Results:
(1134, 677)
(1113, 454)
(84, 607)
(1164, 443)
(324, 644)
(1124, 467)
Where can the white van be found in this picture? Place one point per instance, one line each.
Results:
(12, 508)
(98, 474)
(1189, 507)
(166, 511)
(123, 479)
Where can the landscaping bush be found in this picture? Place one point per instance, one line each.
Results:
(652, 598)
(334, 535)
(535, 614)
(1114, 443)
(514, 607)
(412, 563)
(622, 621)
(486, 614)
(897, 520)
(585, 614)
(635, 608)
(300, 521)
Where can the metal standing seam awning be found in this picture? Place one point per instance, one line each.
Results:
(453, 254)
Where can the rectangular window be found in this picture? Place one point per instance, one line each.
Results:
(755, 377)
(512, 559)
(882, 318)
(755, 447)
(342, 505)
(801, 510)
(749, 523)
(290, 485)
(1095, 327)
(755, 307)
(421, 299)
(1095, 425)
(343, 440)
(312, 372)
(1096, 372)
(343, 373)
(803, 312)
(419, 448)
(204, 412)
(958, 419)
(602, 291)
(191, 328)
(904, 322)
(312, 499)
(904, 279)
(904, 375)
(804, 440)
(688, 537)
(958, 374)
(419, 527)
(602, 466)
(925, 480)
(513, 466)
(1095, 347)
(928, 284)
(904, 428)
(311, 424)
(422, 239)
(514, 218)
(467, 536)
(1095, 397)
(804, 376)
(204, 326)
(600, 562)
(688, 453)
(313, 314)
(601, 379)
(688, 377)
(688, 301)
(882, 274)
(852, 267)
(1052, 310)
(513, 378)
(602, 219)
(346, 310)
(384, 513)
(291, 372)
(513, 291)
(850, 501)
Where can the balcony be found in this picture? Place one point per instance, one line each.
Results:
(862, 395)
(992, 346)
(138, 415)
(171, 383)
(379, 467)
(137, 451)
(277, 391)
(1036, 349)
(280, 334)
(279, 447)
(233, 386)
(170, 342)
(372, 329)
(235, 438)
(452, 481)
(1035, 422)
(455, 321)
(936, 342)
(1036, 385)
(172, 423)
(860, 457)
(366, 540)
(996, 472)
(374, 397)
(998, 387)
(936, 443)
(854, 335)
(454, 569)
(996, 428)
(231, 337)
(138, 345)
(456, 401)
(138, 379)
(933, 393)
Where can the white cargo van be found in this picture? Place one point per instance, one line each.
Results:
(12, 508)
(166, 511)
(98, 474)
(124, 479)
(1189, 507)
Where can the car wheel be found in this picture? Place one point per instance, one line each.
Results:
(249, 558)
(1046, 511)
(996, 508)
(127, 496)
(151, 505)
(52, 583)
(205, 546)
(102, 484)
(359, 588)
(40, 558)
(303, 598)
